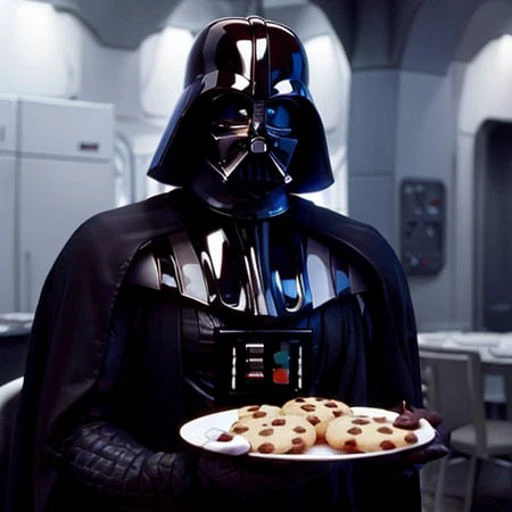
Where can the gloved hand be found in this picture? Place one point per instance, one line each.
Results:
(245, 476)
(408, 418)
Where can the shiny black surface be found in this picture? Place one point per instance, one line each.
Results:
(253, 55)
(245, 132)
(264, 269)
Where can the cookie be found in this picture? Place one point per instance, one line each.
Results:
(278, 434)
(259, 411)
(318, 411)
(362, 433)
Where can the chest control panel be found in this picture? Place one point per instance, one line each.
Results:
(262, 366)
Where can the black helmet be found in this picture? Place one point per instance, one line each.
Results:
(245, 131)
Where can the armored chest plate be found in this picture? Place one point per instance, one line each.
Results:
(264, 268)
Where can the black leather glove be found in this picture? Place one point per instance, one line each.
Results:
(408, 418)
(107, 465)
(245, 477)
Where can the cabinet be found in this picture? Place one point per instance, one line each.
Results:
(60, 173)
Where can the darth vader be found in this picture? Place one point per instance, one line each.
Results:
(229, 290)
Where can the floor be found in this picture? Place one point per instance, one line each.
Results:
(494, 491)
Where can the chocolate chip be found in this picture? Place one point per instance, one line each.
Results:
(266, 448)
(385, 430)
(259, 414)
(407, 420)
(298, 446)
(308, 407)
(300, 399)
(225, 437)
(380, 419)
(278, 422)
(360, 421)
(299, 429)
(314, 420)
(240, 429)
(387, 445)
(253, 408)
(331, 405)
(350, 442)
(266, 432)
(337, 413)
(355, 431)
(411, 438)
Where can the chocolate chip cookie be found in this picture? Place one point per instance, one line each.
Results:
(276, 435)
(365, 433)
(259, 411)
(318, 411)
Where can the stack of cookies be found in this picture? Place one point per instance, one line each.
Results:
(303, 422)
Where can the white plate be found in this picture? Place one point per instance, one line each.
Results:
(201, 432)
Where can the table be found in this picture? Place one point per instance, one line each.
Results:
(14, 333)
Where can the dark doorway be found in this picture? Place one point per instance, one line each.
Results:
(493, 223)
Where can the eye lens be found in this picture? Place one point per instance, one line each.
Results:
(230, 111)
(233, 113)
(278, 116)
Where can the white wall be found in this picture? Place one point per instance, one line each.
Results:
(438, 119)
(39, 50)
(487, 86)
(163, 58)
(329, 83)
(372, 139)
(424, 149)
(486, 95)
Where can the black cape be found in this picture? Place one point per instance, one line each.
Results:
(73, 316)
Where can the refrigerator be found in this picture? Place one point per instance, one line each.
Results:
(56, 170)
(7, 202)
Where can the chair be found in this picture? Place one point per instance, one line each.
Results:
(453, 386)
(9, 393)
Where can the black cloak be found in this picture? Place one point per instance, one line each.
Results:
(73, 316)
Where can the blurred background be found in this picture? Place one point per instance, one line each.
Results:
(414, 95)
(416, 100)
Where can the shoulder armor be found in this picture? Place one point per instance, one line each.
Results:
(146, 269)
(216, 273)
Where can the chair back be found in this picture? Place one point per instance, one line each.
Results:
(9, 395)
(453, 386)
